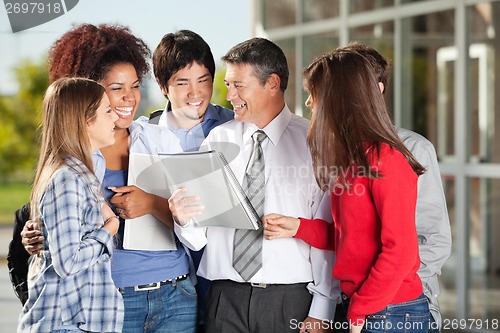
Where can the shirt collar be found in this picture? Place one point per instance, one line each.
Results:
(99, 165)
(135, 133)
(79, 167)
(274, 130)
(163, 121)
(211, 114)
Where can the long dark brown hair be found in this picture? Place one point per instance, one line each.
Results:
(349, 116)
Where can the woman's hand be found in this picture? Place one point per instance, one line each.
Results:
(131, 202)
(184, 208)
(279, 226)
(32, 238)
(111, 221)
(356, 328)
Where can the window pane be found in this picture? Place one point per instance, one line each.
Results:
(314, 46)
(278, 13)
(363, 5)
(288, 47)
(409, 1)
(318, 44)
(380, 36)
(319, 9)
(427, 90)
(484, 250)
(484, 74)
(448, 297)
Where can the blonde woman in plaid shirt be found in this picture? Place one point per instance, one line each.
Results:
(69, 284)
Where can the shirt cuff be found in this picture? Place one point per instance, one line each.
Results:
(301, 234)
(188, 224)
(322, 308)
(104, 237)
(193, 237)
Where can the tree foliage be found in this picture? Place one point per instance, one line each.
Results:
(21, 117)
(220, 89)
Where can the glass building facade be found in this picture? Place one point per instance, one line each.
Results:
(445, 85)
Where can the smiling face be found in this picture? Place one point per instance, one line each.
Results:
(252, 102)
(189, 92)
(123, 89)
(101, 130)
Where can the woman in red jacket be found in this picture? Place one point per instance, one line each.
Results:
(372, 180)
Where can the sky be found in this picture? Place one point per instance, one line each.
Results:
(222, 23)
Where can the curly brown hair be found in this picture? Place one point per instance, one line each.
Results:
(90, 51)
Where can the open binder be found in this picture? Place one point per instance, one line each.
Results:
(146, 232)
(206, 175)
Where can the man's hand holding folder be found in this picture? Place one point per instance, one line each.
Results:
(184, 208)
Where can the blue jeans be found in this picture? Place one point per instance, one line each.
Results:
(169, 309)
(408, 317)
(433, 326)
(202, 287)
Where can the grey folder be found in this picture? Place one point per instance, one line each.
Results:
(147, 232)
(207, 175)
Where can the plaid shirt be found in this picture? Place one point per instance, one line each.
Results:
(72, 284)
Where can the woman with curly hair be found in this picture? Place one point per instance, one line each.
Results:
(158, 294)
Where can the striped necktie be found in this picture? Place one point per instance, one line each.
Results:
(247, 246)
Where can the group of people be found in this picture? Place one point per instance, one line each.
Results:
(356, 211)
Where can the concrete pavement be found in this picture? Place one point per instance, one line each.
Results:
(10, 306)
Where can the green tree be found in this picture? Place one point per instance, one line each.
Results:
(220, 89)
(20, 119)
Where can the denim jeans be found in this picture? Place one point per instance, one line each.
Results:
(433, 326)
(169, 309)
(407, 317)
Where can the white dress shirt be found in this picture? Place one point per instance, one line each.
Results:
(291, 189)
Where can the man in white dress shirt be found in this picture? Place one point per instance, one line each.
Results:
(293, 290)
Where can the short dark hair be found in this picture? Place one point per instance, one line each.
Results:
(178, 50)
(90, 51)
(264, 56)
(380, 65)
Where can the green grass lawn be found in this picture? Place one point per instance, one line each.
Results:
(12, 197)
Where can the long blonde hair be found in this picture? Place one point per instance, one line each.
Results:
(69, 105)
